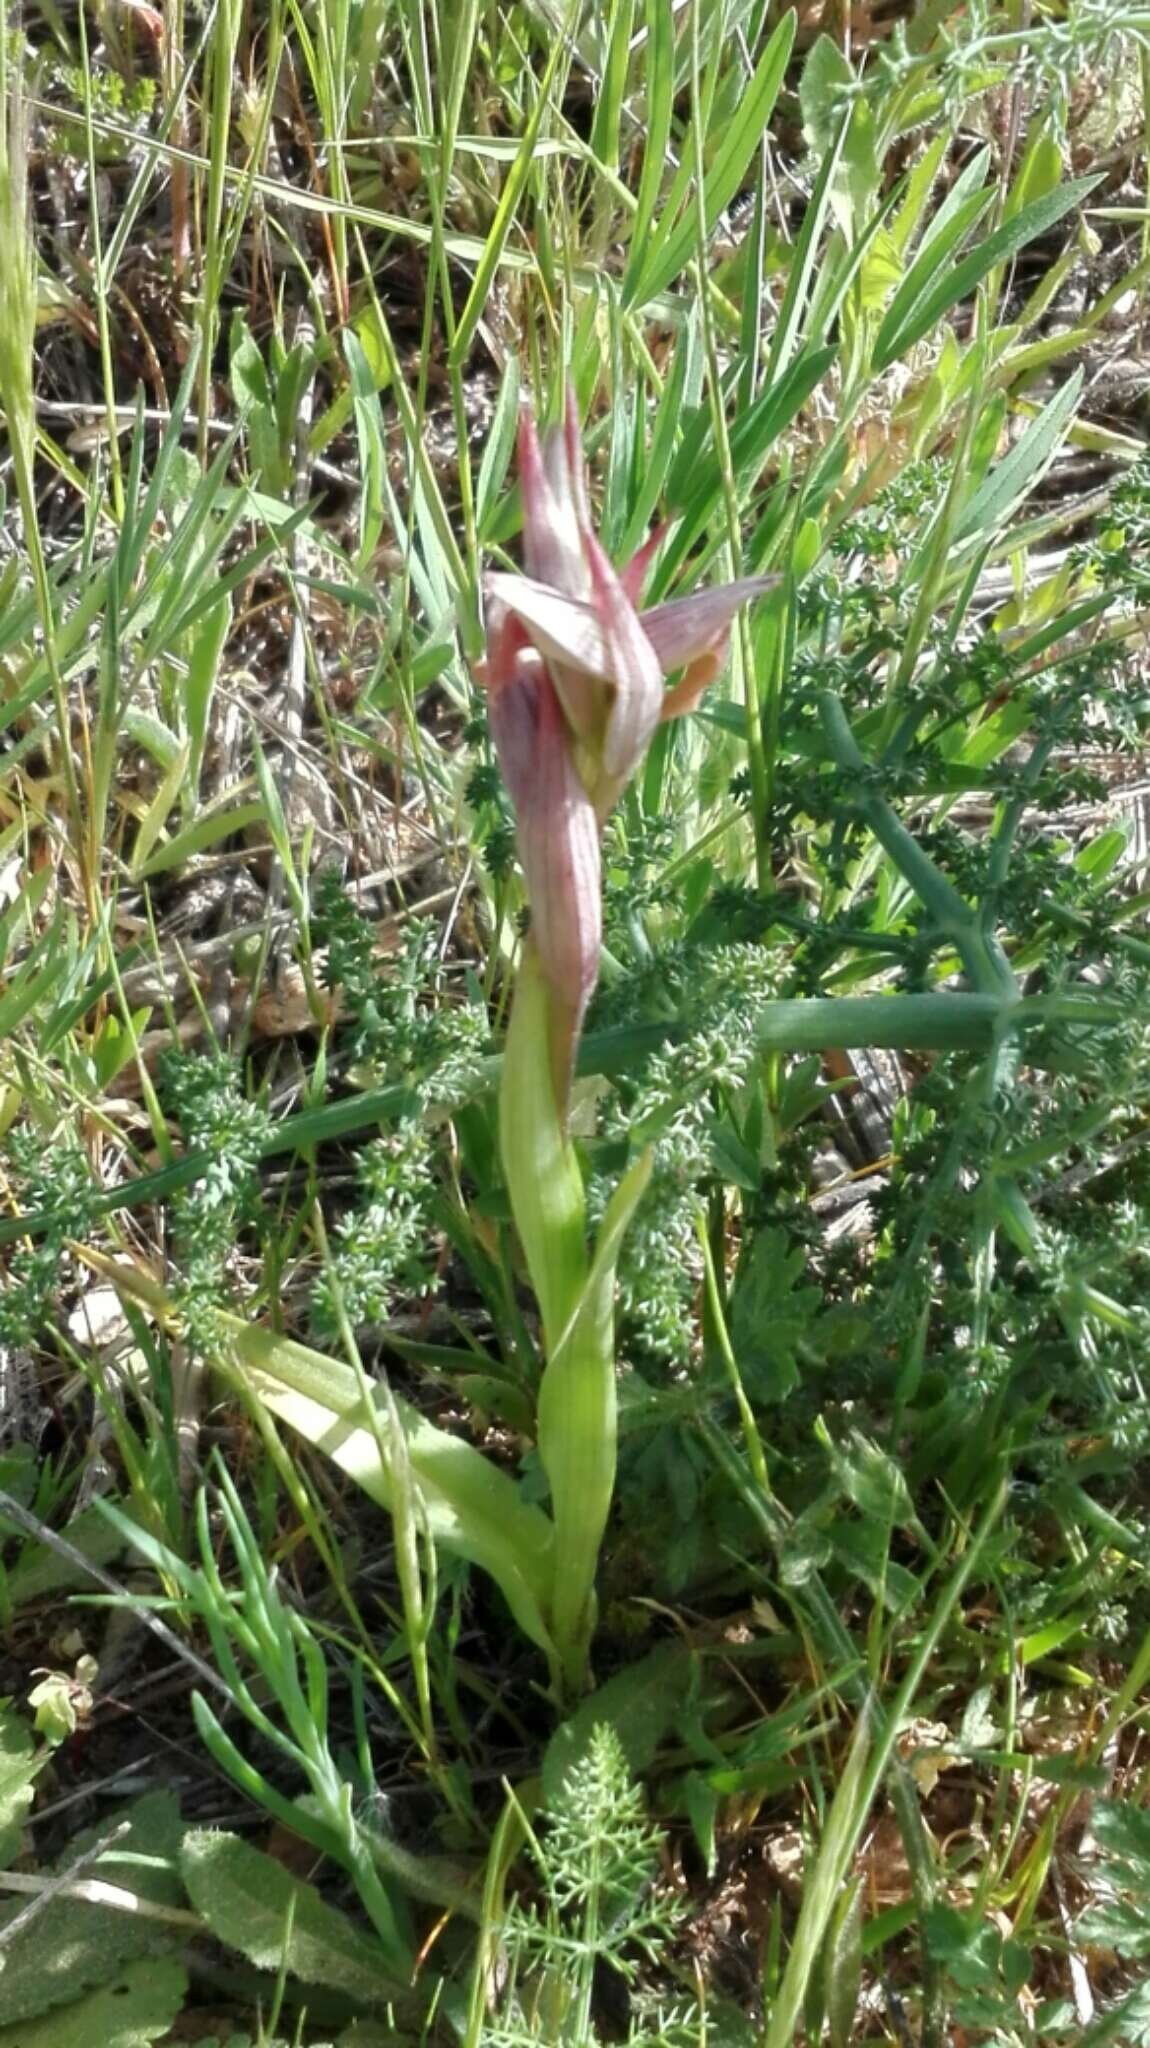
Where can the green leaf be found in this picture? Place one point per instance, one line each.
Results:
(870, 1479)
(1027, 462)
(826, 90)
(1122, 1830)
(39, 1571)
(208, 829)
(932, 262)
(673, 246)
(251, 1903)
(1118, 1924)
(19, 1765)
(372, 446)
(913, 312)
(641, 1704)
(577, 1421)
(660, 67)
(842, 1966)
(137, 2007)
(613, 82)
(471, 1507)
(205, 646)
(74, 1945)
(497, 449)
(1101, 855)
(772, 1314)
(175, 781)
(702, 1802)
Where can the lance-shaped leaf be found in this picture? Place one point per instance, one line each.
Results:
(470, 1506)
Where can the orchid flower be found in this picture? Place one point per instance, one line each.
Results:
(575, 674)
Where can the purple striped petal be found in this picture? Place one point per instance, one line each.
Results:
(690, 626)
(552, 541)
(565, 629)
(633, 667)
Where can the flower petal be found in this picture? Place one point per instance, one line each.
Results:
(633, 574)
(633, 667)
(552, 542)
(565, 629)
(690, 626)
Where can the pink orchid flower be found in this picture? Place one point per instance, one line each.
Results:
(575, 675)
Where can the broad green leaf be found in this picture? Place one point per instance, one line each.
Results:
(20, 1761)
(641, 1704)
(870, 1478)
(1121, 1924)
(827, 89)
(472, 1507)
(931, 263)
(1101, 855)
(918, 189)
(1122, 1829)
(577, 1417)
(140, 2005)
(912, 314)
(74, 1944)
(33, 982)
(249, 374)
(968, 185)
(674, 245)
(842, 1966)
(702, 1802)
(612, 85)
(1040, 171)
(252, 1904)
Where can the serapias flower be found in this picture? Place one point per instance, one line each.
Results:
(575, 675)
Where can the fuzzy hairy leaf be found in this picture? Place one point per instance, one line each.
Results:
(136, 2008)
(73, 1945)
(18, 1767)
(251, 1903)
(640, 1704)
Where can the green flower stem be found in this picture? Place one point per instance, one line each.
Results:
(577, 1423)
(578, 1435)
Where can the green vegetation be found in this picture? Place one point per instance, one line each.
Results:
(529, 1519)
